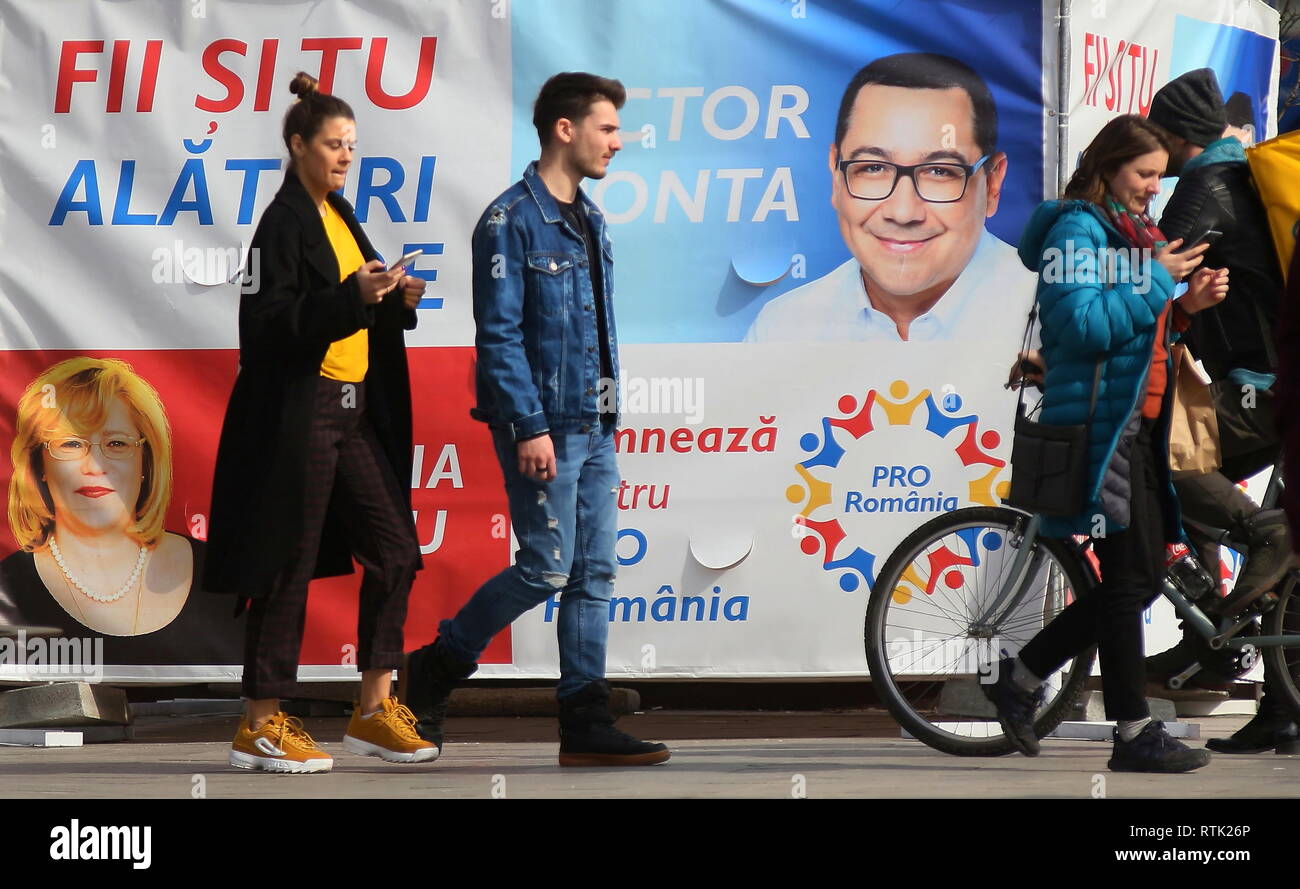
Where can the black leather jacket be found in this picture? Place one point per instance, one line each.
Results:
(1238, 332)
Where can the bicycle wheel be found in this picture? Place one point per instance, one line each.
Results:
(927, 646)
(1284, 620)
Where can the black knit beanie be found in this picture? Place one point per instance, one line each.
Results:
(1190, 106)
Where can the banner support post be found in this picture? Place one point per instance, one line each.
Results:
(1062, 97)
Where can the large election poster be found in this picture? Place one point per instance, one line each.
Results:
(818, 295)
(140, 143)
(782, 433)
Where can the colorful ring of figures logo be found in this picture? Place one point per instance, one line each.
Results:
(854, 564)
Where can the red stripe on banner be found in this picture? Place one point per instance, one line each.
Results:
(458, 493)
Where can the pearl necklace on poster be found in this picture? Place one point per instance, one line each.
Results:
(89, 593)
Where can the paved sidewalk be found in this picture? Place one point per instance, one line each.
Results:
(758, 755)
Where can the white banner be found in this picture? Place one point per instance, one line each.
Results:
(776, 444)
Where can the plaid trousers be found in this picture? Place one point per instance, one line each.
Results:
(344, 462)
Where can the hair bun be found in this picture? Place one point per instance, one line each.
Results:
(303, 84)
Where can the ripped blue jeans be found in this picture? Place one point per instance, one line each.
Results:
(566, 530)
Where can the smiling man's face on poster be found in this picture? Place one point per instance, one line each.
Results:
(906, 245)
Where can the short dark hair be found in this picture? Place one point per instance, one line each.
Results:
(925, 71)
(1239, 109)
(313, 108)
(570, 95)
(1121, 140)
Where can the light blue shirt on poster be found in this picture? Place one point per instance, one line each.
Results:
(995, 290)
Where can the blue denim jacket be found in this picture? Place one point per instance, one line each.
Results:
(538, 356)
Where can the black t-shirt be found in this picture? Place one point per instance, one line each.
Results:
(576, 216)
(205, 632)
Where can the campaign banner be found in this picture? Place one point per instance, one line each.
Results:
(141, 142)
(814, 215)
(782, 433)
(1121, 53)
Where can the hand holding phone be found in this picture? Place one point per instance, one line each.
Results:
(405, 260)
(1207, 237)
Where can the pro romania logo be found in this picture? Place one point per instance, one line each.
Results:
(823, 534)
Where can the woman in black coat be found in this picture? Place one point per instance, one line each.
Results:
(315, 447)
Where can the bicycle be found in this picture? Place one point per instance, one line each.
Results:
(986, 574)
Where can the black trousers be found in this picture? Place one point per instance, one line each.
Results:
(1214, 499)
(1110, 617)
(344, 461)
(1248, 445)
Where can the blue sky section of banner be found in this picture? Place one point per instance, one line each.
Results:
(1242, 61)
(688, 281)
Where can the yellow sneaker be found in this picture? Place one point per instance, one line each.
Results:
(388, 733)
(282, 745)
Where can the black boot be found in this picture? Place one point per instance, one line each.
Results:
(588, 736)
(427, 682)
(1016, 707)
(1268, 556)
(1270, 729)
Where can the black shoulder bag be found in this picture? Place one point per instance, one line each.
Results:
(1049, 464)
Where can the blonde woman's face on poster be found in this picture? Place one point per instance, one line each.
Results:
(92, 493)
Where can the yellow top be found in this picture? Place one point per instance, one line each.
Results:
(348, 359)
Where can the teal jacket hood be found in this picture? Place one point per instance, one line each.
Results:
(1227, 150)
(1041, 222)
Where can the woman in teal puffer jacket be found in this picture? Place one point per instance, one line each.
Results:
(1107, 317)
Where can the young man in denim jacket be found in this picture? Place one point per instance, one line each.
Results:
(547, 359)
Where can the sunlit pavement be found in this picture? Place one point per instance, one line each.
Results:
(759, 755)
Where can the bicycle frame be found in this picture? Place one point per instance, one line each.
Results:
(1014, 586)
(1223, 635)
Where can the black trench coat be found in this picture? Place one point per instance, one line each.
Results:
(288, 316)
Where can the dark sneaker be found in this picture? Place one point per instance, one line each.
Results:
(1154, 751)
(1016, 707)
(588, 736)
(1265, 732)
(428, 678)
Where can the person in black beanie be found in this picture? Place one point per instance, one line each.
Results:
(1235, 342)
(1240, 110)
(1190, 109)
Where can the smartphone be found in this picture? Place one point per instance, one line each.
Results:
(1209, 236)
(405, 260)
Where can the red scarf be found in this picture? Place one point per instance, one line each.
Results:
(1137, 228)
(1141, 232)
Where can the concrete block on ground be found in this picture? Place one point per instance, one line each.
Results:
(1105, 731)
(963, 697)
(528, 702)
(189, 707)
(315, 708)
(106, 734)
(475, 699)
(1229, 707)
(64, 703)
(1092, 708)
(38, 737)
